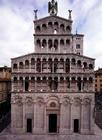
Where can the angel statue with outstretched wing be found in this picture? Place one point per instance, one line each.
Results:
(52, 8)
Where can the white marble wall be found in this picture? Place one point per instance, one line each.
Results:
(38, 109)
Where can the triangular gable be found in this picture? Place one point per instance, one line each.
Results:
(50, 18)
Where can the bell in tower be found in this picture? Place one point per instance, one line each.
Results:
(53, 8)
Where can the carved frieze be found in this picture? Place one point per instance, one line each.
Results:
(16, 99)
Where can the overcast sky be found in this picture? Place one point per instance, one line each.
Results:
(16, 26)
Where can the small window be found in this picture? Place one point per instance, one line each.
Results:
(68, 28)
(15, 66)
(44, 27)
(90, 79)
(77, 46)
(32, 61)
(100, 80)
(73, 61)
(61, 42)
(15, 79)
(90, 66)
(67, 42)
(38, 29)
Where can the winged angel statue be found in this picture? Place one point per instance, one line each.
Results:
(52, 7)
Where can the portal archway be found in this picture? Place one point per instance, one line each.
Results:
(52, 123)
(53, 112)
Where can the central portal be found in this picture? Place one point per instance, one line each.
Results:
(52, 123)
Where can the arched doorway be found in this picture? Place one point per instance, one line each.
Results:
(53, 115)
(76, 126)
(52, 123)
(29, 125)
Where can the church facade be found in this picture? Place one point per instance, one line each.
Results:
(53, 87)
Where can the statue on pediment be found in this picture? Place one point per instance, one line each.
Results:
(53, 7)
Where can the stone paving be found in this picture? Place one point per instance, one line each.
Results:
(5, 135)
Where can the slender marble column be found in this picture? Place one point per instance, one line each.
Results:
(91, 118)
(81, 119)
(34, 128)
(30, 84)
(71, 121)
(12, 84)
(24, 119)
(45, 119)
(23, 84)
(41, 67)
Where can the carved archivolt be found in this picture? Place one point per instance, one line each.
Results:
(66, 100)
(53, 102)
(54, 97)
(86, 101)
(29, 101)
(19, 103)
(77, 101)
(40, 100)
(65, 103)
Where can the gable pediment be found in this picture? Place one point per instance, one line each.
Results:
(51, 19)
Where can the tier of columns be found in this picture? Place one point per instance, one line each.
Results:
(51, 84)
(50, 27)
(53, 66)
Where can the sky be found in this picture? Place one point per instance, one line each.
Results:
(16, 26)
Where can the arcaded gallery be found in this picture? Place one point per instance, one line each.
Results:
(53, 87)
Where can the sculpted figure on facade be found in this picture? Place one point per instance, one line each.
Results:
(66, 101)
(52, 7)
(40, 100)
(16, 99)
(86, 101)
(77, 101)
(29, 100)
